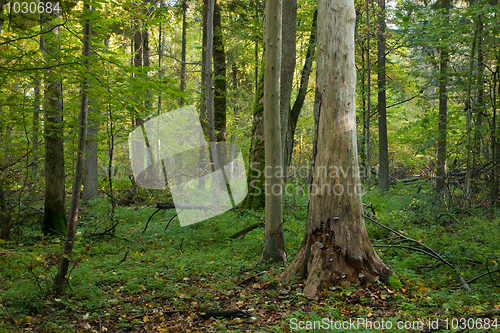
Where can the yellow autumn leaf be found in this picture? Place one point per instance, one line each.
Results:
(145, 319)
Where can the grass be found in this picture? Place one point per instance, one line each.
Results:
(161, 280)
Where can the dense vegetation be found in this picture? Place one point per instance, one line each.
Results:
(428, 136)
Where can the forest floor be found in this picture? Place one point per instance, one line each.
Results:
(163, 280)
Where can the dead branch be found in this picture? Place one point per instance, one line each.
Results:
(247, 230)
(427, 249)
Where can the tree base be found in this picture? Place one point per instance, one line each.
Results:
(322, 263)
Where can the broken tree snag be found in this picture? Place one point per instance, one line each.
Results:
(336, 250)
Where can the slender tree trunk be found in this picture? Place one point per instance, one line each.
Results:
(443, 109)
(495, 146)
(256, 195)
(203, 107)
(274, 242)
(443, 112)
(383, 172)
(90, 182)
(216, 181)
(301, 96)
(36, 122)
(368, 97)
(478, 108)
(288, 61)
(54, 215)
(362, 152)
(146, 62)
(208, 71)
(2, 3)
(468, 109)
(183, 52)
(336, 250)
(5, 222)
(60, 278)
(219, 57)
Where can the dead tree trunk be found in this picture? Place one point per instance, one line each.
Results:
(336, 250)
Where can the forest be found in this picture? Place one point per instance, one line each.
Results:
(249, 166)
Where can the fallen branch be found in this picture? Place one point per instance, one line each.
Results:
(428, 251)
(247, 230)
(484, 274)
(225, 314)
(2, 251)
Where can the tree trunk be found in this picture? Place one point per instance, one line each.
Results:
(468, 109)
(183, 52)
(362, 149)
(60, 278)
(5, 223)
(219, 79)
(256, 196)
(54, 215)
(36, 123)
(368, 97)
(495, 147)
(301, 96)
(2, 3)
(478, 108)
(288, 61)
(336, 250)
(90, 184)
(443, 112)
(274, 242)
(383, 172)
(203, 107)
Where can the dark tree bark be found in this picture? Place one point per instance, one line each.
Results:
(219, 57)
(368, 95)
(479, 108)
(256, 196)
(336, 250)
(383, 172)
(255, 199)
(288, 61)
(60, 278)
(36, 122)
(443, 113)
(301, 97)
(54, 215)
(5, 222)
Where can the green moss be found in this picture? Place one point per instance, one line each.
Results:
(394, 282)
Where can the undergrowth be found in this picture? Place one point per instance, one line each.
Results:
(161, 280)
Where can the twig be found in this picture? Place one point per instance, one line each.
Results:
(429, 251)
(9, 316)
(484, 274)
(124, 257)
